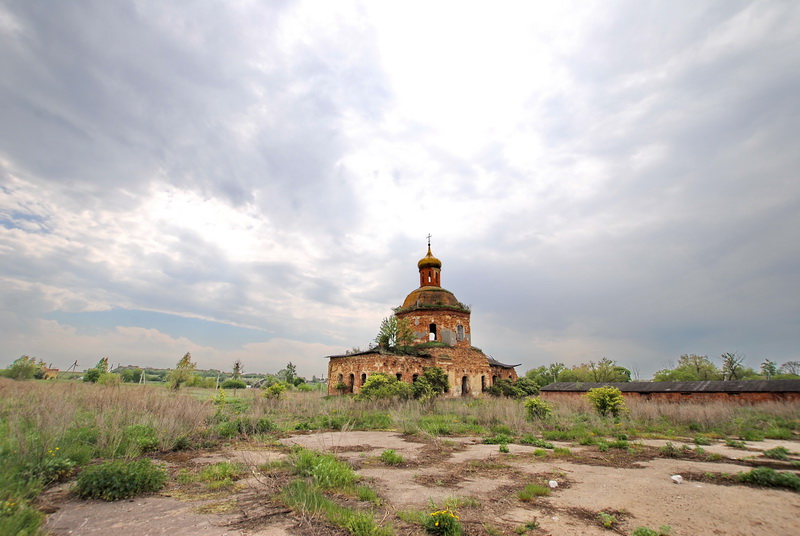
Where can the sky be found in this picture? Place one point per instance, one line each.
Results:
(255, 180)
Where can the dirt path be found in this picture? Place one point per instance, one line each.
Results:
(637, 489)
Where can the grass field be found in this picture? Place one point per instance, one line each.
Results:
(49, 430)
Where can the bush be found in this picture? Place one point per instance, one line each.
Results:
(275, 390)
(529, 439)
(537, 409)
(778, 453)
(518, 389)
(380, 386)
(233, 384)
(607, 400)
(443, 522)
(764, 476)
(92, 375)
(390, 457)
(24, 368)
(112, 481)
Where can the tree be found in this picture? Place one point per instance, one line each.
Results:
(288, 374)
(24, 368)
(132, 375)
(394, 333)
(182, 373)
(606, 370)
(545, 375)
(732, 366)
(769, 368)
(102, 365)
(237, 369)
(690, 367)
(92, 375)
(791, 367)
(521, 388)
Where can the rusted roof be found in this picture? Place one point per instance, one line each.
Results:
(738, 386)
(495, 363)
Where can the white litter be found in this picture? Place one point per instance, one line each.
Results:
(677, 479)
(553, 484)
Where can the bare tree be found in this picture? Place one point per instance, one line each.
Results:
(731, 366)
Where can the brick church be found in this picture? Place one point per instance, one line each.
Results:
(442, 338)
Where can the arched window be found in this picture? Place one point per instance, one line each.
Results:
(459, 332)
(363, 378)
(414, 377)
(464, 386)
(432, 332)
(399, 376)
(483, 383)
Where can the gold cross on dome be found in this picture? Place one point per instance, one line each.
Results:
(429, 239)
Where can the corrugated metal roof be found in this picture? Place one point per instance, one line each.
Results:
(743, 386)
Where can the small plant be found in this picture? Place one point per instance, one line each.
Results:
(735, 443)
(562, 451)
(607, 400)
(530, 491)
(116, 480)
(529, 439)
(663, 530)
(669, 450)
(504, 448)
(537, 409)
(221, 475)
(498, 439)
(275, 390)
(607, 520)
(700, 440)
(443, 522)
(390, 457)
(778, 453)
(530, 525)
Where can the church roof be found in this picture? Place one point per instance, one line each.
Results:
(429, 261)
(431, 297)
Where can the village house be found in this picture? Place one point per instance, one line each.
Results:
(442, 338)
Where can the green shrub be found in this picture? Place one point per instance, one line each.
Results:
(764, 476)
(498, 439)
(116, 480)
(530, 439)
(530, 491)
(142, 436)
(233, 384)
(504, 448)
(537, 409)
(607, 400)
(700, 440)
(390, 457)
(607, 520)
(443, 522)
(380, 386)
(778, 453)
(663, 530)
(735, 443)
(92, 375)
(275, 390)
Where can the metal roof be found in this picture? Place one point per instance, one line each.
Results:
(496, 363)
(738, 386)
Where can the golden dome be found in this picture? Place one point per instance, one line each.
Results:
(429, 261)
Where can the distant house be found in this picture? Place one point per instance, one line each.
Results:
(747, 391)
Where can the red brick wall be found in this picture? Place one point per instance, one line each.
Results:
(457, 362)
(745, 398)
(445, 320)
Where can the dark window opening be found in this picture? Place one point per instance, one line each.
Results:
(399, 376)
(414, 377)
(464, 386)
(363, 378)
(432, 330)
(459, 332)
(483, 383)
(352, 382)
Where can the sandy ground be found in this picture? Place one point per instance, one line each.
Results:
(639, 491)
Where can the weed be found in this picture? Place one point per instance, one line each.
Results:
(443, 522)
(778, 453)
(530, 525)
(540, 452)
(491, 530)
(735, 443)
(764, 476)
(530, 491)
(700, 440)
(562, 451)
(607, 520)
(116, 480)
(498, 439)
(390, 457)
(529, 439)
(669, 450)
(504, 448)
(663, 530)
(602, 447)
(537, 409)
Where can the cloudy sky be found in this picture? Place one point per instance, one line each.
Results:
(255, 180)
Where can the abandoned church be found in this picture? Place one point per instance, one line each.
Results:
(441, 338)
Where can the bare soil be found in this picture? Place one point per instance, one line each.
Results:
(635, 487)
